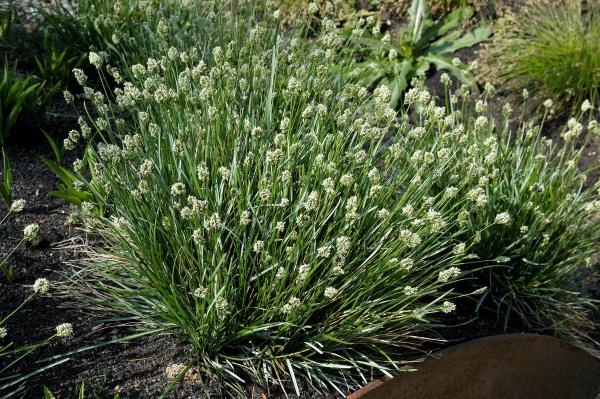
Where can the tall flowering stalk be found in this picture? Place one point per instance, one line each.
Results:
(30, 233)
(11, 357)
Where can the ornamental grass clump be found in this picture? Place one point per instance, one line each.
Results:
(535, 216)
(551, 48)
(246, 198)
(546, 232)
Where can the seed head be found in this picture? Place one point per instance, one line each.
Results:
(448, 307)
(31, 232)
(200, 292)
(448, 274)
(586, 106)
(41, 286)
(177, 189)
(95, 59)
(17, 206)
(330, 292)
(64, 330)
(502, 218)
(291, 305)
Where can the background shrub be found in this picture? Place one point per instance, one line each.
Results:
(421, 45)
(22, 100)
(551, 48)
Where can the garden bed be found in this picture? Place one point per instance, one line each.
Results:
(135, 369)
(138, 368)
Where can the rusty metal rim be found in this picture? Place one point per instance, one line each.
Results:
(362, 392)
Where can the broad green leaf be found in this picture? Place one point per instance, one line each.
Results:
(469, 39)
(444, 40)
(372, 44)
(422, 66)
(451, 21)
(64, 174)
(66, 190)
(56, 148)
(369, 75)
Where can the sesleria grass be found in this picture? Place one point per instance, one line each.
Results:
(536, 217)
(290, 225)
(246, 199)
(551, 48)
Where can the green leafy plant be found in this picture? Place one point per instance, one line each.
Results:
(6, 183)
(20, 99)
(277, 246)
(66, 189)
(421, 44)
(550, 48)
(55, 68)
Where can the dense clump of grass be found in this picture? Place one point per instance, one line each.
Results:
(538, 220)
(293, 227)
(552, 237)
(246, 200)
(550, 48)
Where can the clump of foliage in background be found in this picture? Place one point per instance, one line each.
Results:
(551, 48)
(55, 68)
(22, 100)
(423, 43)
(114, 28)
(554, 229)
(28, 87)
